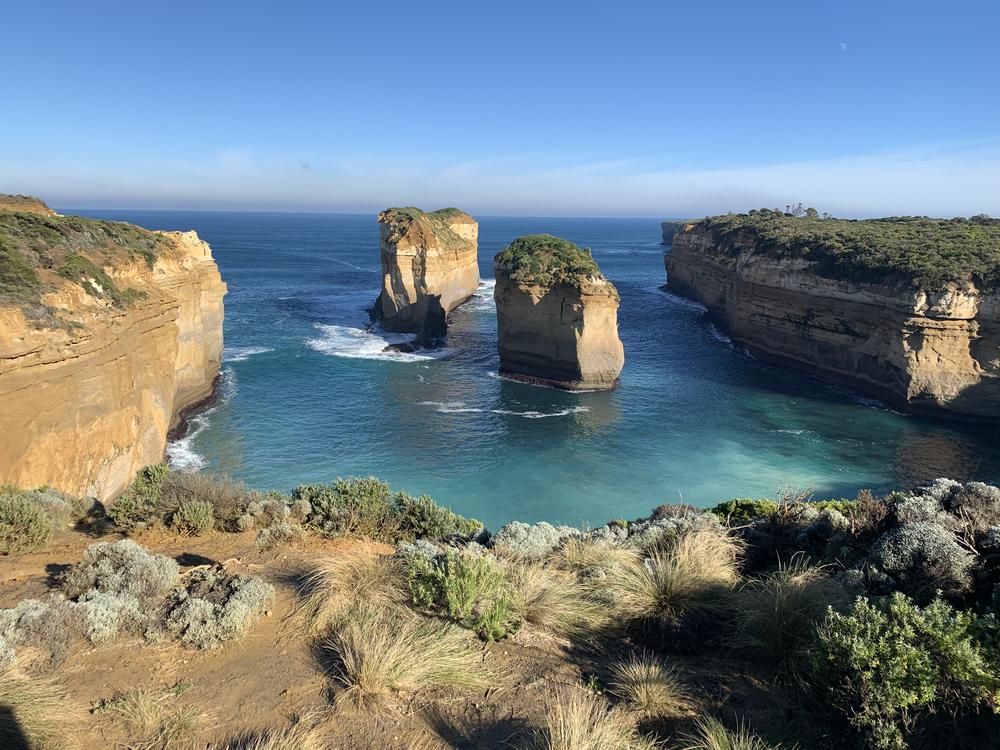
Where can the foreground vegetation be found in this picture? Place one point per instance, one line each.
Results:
(915, 250)
(876, 617)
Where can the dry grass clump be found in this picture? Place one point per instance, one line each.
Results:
(778, 614)
(690, 578)
(711, 734)
(590, 557)
(555, 600)
(35, 714)
(381, 651)
(647, 684)
(338, 584)
(578, 720)
(151, 722)
(294, 738)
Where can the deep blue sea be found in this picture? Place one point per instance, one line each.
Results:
(308, 394)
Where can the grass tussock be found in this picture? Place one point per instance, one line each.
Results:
(294, 738)
(578, 720)
(778, 615)
(711, 734)
(584, 555)
(336, 585)
(383, 651)
(690, 578)
(151, 721)
(555, 600)
(648, 685)
(35, 714)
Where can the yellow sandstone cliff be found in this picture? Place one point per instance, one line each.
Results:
(103, 352)
(429, 267)
(557, 316)
(930, 352)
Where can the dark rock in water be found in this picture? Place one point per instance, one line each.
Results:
(407, 347)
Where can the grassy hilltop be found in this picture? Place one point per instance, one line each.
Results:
(379, 619)
(546, 260)
(39, 248)
(913, 250)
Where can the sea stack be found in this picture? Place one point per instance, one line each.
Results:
(557, 316)
(108, 333)
(429, 267)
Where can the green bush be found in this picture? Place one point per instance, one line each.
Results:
(422, 518)
(351, 506)
(138, 508)
(742, 510)
(227, 498)
(888, 666)
(24, 525)
(471, 589)
(546, 260)
(193, 517)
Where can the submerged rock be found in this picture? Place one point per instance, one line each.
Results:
(557, 316)
(429, 267)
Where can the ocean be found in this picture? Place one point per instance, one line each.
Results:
(307, 394)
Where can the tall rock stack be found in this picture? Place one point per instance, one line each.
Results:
(557, 316)
(107, 333)
(429, 267)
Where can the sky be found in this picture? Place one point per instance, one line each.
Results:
(616, 108)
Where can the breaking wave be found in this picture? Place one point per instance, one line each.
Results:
(361, 343)
(459, 407)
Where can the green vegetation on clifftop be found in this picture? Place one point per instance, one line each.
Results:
(914, 250)
(545, 260)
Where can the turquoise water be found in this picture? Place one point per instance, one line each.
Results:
(308, 394)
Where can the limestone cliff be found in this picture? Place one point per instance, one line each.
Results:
(107, 334)
(429, 267)
(669, 228)
(557, 316)
(883, 323)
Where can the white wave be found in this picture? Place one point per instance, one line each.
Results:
(459, 407)
(240, 353)
(355, 267)
(359, 343)
(679, 301)
(791, 432)
(181, 454)
(482, 298)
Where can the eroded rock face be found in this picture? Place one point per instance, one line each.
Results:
(89, 392)
(557, 329)
(429, 267)
(935, 353)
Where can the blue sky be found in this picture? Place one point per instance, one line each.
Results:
(611, 108)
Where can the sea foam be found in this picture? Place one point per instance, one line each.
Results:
(361, 343)
(240, 353)
(181, 454)
(459, 407)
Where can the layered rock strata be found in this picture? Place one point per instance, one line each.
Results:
(557, 316)
(429, 267)
(929, 348)
(111, 333)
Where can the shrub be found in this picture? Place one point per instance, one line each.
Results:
(711, 734)
(226, 498)
(577, 720)
(63, 510)
(44, 627)
(471, 589)
(888, 665)
(350, 506)
(35, 714)
(922, 559)
(24, 526)
(151, 721)
(214, 607)
(978, 505)
(121, 568)
(649, 685)
(422, 518)
(194, 517)
(555, 600)
(742, 510)
(138, 508)
(531, 541)
(381, 651)
(778, 615)
(278, 535)
(336, 585)
(690, 580)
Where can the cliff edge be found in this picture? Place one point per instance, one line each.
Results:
(557, 316)
(429, 267)
(905, 308)
(107, 333)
